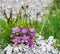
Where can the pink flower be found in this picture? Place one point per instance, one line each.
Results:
(23, 35)
(24, 30)
(25, 38)
(16, 29)
(32, 34)
(16, 40)
(31, 29)
(31, 42)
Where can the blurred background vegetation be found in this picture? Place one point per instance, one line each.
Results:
(49, 27)
(52, 25)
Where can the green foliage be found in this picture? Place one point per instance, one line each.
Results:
(57, 44)
(57, 3)
(7, 25)
(52, 24)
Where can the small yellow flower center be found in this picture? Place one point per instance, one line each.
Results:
(24, 38)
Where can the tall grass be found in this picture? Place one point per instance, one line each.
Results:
(52, 24)
(7, 25)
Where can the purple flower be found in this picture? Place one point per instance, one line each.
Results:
(24, 30)
(16, 29)
(31, 29)
(32, 34)
(16, 40)
(25, 38)
(21, 28)
(31, 42)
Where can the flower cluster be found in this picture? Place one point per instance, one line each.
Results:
(23, 35)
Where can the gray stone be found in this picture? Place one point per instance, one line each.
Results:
(42, 48)
(35, 6)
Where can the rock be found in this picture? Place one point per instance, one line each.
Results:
(1, 51)
(35, 6)
(40, 37)
(16, 50)
(8, 49)
(51, 40)
(43, 47)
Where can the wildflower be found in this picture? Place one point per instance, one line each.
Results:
(14, 30)
(21, 28)
(31, 42)
(32, 34)
(24, 30)
(31, 29)
(16, 39)
(25, 39)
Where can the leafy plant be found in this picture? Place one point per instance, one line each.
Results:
(52, 24)
(57, 44)
(6, 26)
(57, 2)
